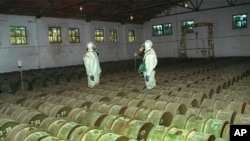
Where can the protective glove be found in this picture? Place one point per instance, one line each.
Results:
(147, 78)
(92, 77)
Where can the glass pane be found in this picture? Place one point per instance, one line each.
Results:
(99, 35)
(54, 35)
(18, 35)
(190, 25)
(113, 35)
(73, 35)
(239, 21)
(131, 36)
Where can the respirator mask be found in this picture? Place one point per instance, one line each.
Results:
(141, 50)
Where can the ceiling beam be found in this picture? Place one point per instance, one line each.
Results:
(220, 7)
(147, 7)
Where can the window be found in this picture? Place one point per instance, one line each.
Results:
(157, 30)
(55, 35)
(113, 35)
(167, 29)
(99, 35)
(131, 36)
(190, 25)
(162, 29)
(18, 35)
(73, 35)
(239, 21)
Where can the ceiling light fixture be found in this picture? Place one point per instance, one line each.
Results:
(81, 9)
(185, 5)
(131, 17)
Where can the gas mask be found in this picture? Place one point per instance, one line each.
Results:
(96, 50)
(91, 47)
(141, 50)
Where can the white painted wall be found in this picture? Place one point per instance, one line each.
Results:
(227, 41)
(39, 53)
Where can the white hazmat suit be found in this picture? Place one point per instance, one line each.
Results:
(92, 65)
(149, 63)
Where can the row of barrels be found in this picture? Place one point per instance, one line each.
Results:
(199, 93)
(115, 125)
(91, 108)
(136, 97)
(153, 100)
(12, 84)
(189, 99)
(129, 110)
(53, 128)
(46, 77)
(31, 79)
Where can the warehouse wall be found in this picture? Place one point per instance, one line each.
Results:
(39, 53)
(227, 41)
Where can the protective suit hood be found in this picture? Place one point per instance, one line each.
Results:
(148, 45)
(90, 46)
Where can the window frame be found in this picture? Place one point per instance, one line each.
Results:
(234, 23)
(113, 35)
(163, 31)
(131, 38)
(74, 35)
(99, 38)
(190, 28)
(18, 36)
(58, 36)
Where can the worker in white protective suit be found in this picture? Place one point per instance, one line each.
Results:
(149, 62)
(92, 65)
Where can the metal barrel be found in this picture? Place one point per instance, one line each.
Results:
(92, 119)
(74, 114)
(180, 121)
(237, 106)
(137, 129)
(66, 129)
(194, 111)
(176, 134)
(108, 121)
(142, 113)
(6, 125)
(77, 103)
(176, 108)
(158, 117)
(215, 127)
(158, 133)
(131, 111)
(149, 103)
(198, 136)
(160, 105)
(93, 134)
(9, 98)
(54, 110)
(77, 133)
(118, 126)
(26, 132)
(226, 115)
(31, 103)
(197, 123)
(30, 116)
(117, 110)
(189, 102)
(208, 113)
(112, 137)
(242, 119)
